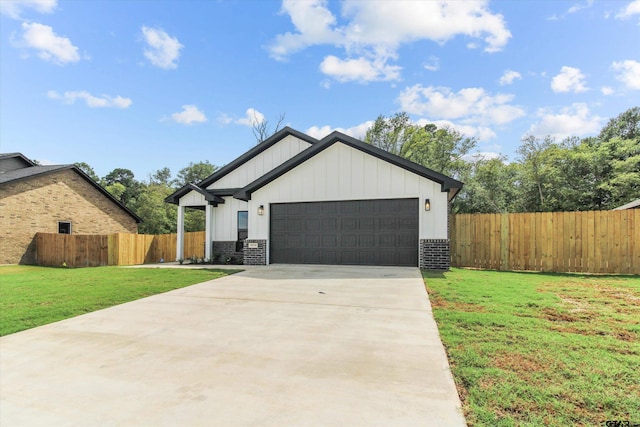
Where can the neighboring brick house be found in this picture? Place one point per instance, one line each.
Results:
(52, 199)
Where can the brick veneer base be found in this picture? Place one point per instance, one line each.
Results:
(255, 256)
(228, 249)
(434, 254)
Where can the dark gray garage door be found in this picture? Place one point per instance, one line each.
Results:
(359, 232)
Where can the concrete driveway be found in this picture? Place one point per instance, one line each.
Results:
(273, 346)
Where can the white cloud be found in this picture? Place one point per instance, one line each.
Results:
(575, 120)
(358, 131)
(606, 90)
(224, 119)
(570, 79)
(190, 114)
(361, 69)
(104, 101)
(375, 31)
(509, 77)
(578, 7)
(629, 73)
(252, 117)
(162, 50)
(49, 45)
(573, 9)
(14, 8)
(433, 64)
(472, 106)
(631, 9)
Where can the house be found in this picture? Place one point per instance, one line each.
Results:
(52, 199)
(631, 205)
(296, 199)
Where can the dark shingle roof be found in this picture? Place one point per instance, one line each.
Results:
(30, 172)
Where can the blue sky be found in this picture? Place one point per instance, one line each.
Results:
(148, 84)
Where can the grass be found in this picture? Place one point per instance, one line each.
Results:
(34, 296)
(533, 349)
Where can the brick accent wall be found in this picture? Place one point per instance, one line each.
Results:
(255, 256)
(37, 204)
(226, 248)
(434, 254)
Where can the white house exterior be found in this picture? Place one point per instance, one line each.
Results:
(295, 199)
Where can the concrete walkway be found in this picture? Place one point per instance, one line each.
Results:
(272, 346)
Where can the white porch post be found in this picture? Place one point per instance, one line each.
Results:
(208, 220)
(180, 240)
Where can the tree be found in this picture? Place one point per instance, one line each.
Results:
(161, 177)
(442, 149)
(389, 133)
(194, 173)
(158, 217)
(490, 186)
(84, 167)
(534, 170)
(126, 178)
(261, 129)
(624, 126)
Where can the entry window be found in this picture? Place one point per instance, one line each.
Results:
(64, 227)
(243, 229)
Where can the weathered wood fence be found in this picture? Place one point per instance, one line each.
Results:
(76, 250)
(586, 242)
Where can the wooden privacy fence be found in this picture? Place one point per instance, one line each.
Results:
(586, 242)
(76, 250)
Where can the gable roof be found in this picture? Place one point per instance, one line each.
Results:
(267, 143)
(631, 205)
(36, 171)
(14, 156)
(447, 184)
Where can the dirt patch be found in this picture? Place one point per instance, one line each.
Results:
(517, 362)
(459, 306)
(558, 316)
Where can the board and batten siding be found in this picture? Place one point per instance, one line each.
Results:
(225, 215)
(192, 198)
(341, 172)
(225, 219)
(269, 159)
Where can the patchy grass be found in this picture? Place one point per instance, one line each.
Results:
(34, 296)
(533, 349)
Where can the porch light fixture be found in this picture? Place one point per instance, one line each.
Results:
(261, 210)
(427, 204)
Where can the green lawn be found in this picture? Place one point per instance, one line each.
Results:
(532, 349)
(34, 296)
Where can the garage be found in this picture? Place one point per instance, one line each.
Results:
(354, 232)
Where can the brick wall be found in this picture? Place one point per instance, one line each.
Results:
(37, 204)
(226, 248)
(255, 256)
(434, 254)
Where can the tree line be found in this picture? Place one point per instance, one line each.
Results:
(146, 198)
(593, 173)
(575, 174)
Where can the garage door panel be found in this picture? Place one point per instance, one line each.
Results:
(312, 224)
(329, 240)
(313, 240)
(366, 240)
(369, 232)
(329, 225)
(348, 224)
(387, 241)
